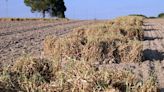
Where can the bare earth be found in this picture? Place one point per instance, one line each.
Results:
(19, 38)
(154, 48)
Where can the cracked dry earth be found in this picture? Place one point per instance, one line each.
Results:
(18, 38)
(26, 37)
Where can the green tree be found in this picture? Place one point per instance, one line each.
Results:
(161, 15)
(54, 8)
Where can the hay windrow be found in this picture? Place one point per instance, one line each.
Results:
(75, 76)
(99, 44)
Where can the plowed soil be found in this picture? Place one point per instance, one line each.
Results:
(19, 38)
(154, 48)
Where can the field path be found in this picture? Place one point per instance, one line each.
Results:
(26, 37)
(153, 46)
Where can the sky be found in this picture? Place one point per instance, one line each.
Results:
(89, 9)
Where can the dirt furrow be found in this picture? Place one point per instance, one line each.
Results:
(158, 66)
(154, 52)
(145, 70)
(32, 28)
(160, 74)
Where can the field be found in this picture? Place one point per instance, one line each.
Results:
(60, 55)
(25, 37)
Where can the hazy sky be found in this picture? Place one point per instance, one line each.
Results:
(89, 9)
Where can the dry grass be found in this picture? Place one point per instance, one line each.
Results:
(41, 75)
(97, 44)
(130, 26)
(129, 20)
(27, 75)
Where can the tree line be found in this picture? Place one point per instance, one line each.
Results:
(161, 15)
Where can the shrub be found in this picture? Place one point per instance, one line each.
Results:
(139, 15)
(152, 17)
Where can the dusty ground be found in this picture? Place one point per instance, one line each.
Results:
(154, 48)
(19, 38)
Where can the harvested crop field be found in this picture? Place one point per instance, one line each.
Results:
(122, 55)
(26, 36)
